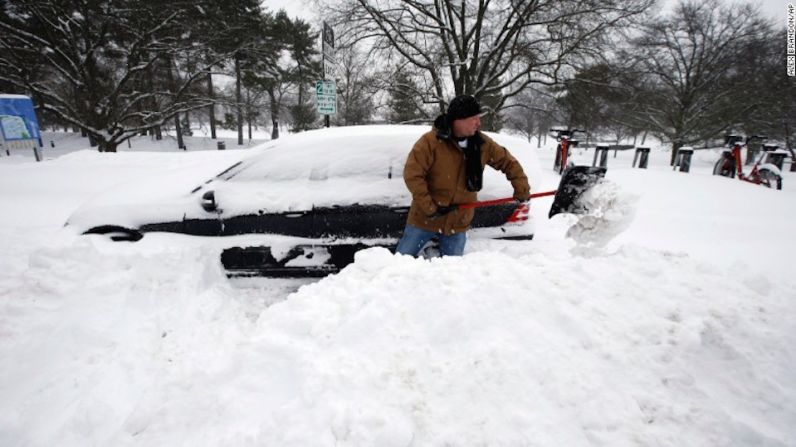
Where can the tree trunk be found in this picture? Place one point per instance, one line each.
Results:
(274, 128)
(177, 126)
(178, 129)
(107, 146)
(153, 104)
(238, 99)
(212, 108)
(249, 113)
(93, 141)
(274, 115)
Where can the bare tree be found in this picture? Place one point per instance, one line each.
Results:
(769, 88)
(483, 47)
(356, 88)
(533, 114)
(687, 66)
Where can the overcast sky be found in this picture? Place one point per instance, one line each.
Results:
(774, 9)
(294, 8)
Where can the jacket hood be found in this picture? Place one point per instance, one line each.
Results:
(443, 127)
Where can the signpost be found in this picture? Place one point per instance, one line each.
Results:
(326, 90)
(19, 128)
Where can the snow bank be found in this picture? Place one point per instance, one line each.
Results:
(497, 348)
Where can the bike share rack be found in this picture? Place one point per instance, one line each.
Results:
(601, 151)
(642, 156)
(683, 158)
(775, 156)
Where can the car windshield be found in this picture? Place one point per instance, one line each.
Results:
(330, 155)
(320, 169)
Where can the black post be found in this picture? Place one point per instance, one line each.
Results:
(776, 158)
(601, 151)
(684, 158)
(642, 155)
(326, 119)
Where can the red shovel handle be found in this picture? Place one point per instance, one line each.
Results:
(465, 206)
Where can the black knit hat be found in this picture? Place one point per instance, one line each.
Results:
(462, 106)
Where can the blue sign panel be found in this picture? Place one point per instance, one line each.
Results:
(18, 119)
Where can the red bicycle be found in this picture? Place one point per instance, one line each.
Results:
(730, 164)
(565, 141)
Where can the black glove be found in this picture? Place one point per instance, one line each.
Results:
(443, 210)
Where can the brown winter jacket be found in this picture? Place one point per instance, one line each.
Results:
(435, 175)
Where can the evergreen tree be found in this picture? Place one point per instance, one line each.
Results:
(301, 43)
(85, 61)
(404, 99)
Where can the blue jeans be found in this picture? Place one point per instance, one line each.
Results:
(415, 238)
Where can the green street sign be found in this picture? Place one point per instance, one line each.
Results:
(326, 97)
(325, 88)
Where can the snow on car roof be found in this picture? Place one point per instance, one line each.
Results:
(336, 166)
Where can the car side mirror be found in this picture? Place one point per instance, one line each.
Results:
(209, 201)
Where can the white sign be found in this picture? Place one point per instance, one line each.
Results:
(14, 127)
(326, 97)
(329, 69)
(327, 105)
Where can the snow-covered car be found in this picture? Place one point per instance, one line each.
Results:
(312, 198)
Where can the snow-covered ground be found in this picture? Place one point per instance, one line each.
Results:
(667, 320)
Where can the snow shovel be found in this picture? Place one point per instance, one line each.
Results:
(575, 181)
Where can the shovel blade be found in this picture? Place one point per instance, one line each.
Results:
(575, 181)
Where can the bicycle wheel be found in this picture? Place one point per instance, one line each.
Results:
(771, 178)
(725, 167)
(557, 162)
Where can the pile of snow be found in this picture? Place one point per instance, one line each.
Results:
(676, 331)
